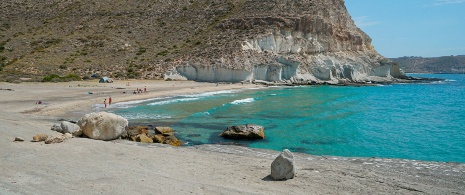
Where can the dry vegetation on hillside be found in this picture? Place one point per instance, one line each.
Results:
(131, 39)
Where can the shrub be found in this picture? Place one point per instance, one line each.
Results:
(141, 51)
(49, 78)
(162, 53)
(57, 78)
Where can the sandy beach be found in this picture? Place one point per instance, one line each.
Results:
(85, 166)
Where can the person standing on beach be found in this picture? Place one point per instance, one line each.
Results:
(105, 103)
(109, 101)
(145, 89)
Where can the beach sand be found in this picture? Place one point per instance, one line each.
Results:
(85, 166)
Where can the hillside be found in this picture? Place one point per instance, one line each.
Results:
(445, 64)
(209, 40)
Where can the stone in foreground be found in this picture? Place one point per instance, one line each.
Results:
(71, 128)
(282, 167)
(56, 139)
(102, 125)
(19, 139)
(57, 128)
(248, 131)
(39, 137)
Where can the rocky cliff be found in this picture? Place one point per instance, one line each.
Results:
(211, 40)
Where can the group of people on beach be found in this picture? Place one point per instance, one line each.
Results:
(140, 90)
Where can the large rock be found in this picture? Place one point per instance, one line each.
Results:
(249, 131)
(102, 125)
(143, 138)
(162, 130)
(282, 167)
(71, 128)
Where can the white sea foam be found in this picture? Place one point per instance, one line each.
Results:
(144, 116)
(207, 94)
(172, 101)
(133, 103)
(243, 101)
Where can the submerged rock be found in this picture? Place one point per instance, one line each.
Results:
(282, 167)
(248, 131)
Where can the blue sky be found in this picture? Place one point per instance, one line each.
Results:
(428, 28)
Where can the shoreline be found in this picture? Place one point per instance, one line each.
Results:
(82, 165)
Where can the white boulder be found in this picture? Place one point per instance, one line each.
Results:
(102, 125)
(282, 167)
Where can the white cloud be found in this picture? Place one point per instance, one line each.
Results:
(447, 2)
(365, 21)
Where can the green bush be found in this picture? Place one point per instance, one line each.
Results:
(49, 78)
(141, 51)
(57, 78)
(3, 60)
(163, 53)
(2, 48)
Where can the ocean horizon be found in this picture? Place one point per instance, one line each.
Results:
(408, 121)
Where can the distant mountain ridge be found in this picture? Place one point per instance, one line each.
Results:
(440, 65)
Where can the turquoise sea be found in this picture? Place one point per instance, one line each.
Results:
(410, 121)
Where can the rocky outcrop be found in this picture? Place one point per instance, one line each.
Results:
(102, 125)
(248, 131)
(282, 167)
(321, 44)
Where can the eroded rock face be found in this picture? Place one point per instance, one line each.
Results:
(320, 43)
(102, 125)
(282, 167)
(249, 131)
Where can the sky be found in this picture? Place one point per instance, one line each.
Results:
(427, 28)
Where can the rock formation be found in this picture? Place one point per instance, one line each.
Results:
(283, 167)
(248, 131)
(317, 44)
(102, 125)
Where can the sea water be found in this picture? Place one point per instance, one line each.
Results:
(411, 121)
